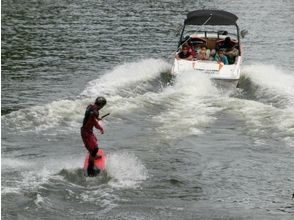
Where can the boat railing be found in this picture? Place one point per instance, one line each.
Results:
(217, 33)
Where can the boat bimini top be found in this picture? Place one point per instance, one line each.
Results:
(210, 17)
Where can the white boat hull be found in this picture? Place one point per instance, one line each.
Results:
(223, 75)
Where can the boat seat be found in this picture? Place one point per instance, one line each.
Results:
(198, 41)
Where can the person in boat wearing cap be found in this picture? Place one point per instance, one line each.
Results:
(91, 119)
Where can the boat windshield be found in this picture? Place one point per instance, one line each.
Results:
(211, 31)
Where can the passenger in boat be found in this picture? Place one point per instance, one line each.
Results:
(193, 52)
(195, 48)
(212, 54)
(221, 57)
(227, 43)
(203, 53)
(191, 48)
(188, 43)
(185, 53)
(230, 49)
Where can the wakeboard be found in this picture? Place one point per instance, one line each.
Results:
(99, 164)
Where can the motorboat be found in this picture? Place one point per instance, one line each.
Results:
(211, 28)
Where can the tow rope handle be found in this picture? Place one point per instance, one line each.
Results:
(104, 116)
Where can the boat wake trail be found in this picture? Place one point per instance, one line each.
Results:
(149, 107)
(266, 102)
(126, 78)
(188, 106)
(190, 103)
(269, 85)
(54, 129)
(122, 86)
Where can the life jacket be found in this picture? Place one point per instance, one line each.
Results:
(91, 115)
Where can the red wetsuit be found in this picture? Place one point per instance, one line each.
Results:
(90, 121)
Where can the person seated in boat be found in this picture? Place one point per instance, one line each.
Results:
(203, 54)
(221, 57)
(185, 53)
(191, 48)
(212, 54)
(187, 41)
(195, 50)
(230, 49)
(225, 44)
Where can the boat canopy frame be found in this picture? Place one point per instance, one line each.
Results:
(210, 17)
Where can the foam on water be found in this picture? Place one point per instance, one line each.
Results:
(103, 198)
(272, 112)
(69, 113)
(264, 120)
(65, 113)
(24, 178)
(274, 83)
(32, 174)
(41, 201)
(125, 169)
(190, 106)
(28, 180)
(8, 163)
(125, 75)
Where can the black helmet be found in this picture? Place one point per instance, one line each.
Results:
(100, 101)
